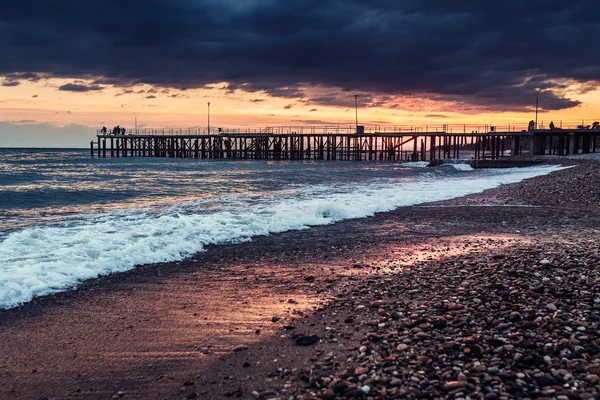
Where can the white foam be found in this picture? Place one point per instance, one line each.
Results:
(37, 261)
(462, 167)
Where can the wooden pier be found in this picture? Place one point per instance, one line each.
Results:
(343, 145)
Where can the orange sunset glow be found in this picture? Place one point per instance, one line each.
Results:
(31, 103)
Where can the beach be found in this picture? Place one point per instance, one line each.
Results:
(492, 295)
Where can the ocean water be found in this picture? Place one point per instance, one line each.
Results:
(65, 217)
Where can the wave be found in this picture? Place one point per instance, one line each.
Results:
(41, 260)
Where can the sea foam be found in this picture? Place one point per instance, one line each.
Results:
(41, 260)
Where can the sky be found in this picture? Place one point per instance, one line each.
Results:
(69, 67)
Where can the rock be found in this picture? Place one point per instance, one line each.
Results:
(340, 387)
(239, 347)
(354, 394)
(440, 323)
(307, 340)
(453, 385)
(327, 395)
(309, 278)
(361, 370)
(551, 307)
(530, 324)
(267, 394)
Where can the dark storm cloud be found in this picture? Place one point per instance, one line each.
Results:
(76, 87)
(476, 52)
(11, 83)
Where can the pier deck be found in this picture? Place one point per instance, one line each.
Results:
(335, 144)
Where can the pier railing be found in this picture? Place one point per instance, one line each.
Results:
(464, 129)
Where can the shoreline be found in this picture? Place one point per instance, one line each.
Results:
(136, 332)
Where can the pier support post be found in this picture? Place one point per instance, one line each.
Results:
(415, 155)
(585, 146)
(573, 139)
(92, 148)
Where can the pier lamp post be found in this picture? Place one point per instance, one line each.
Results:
(356, 109)
(537, 101)
(209, 117)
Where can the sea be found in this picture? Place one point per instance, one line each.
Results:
(66, 217)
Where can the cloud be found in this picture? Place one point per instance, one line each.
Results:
(311, 121)
(34, 96)
(76, 87)
(313, 110)
(151, 96)
(460, 51)
(436, 116)
(289, 106)
(257, 100)
(11, 83)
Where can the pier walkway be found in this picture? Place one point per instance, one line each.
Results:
(335, 143)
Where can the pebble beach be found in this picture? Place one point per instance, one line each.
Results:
(490, 296)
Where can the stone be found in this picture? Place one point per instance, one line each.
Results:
(327, 395)
(307, 340)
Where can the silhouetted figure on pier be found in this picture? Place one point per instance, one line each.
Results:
(103, 130)
(596, 125)
(123, 131)
(531, 126)
(551, 125)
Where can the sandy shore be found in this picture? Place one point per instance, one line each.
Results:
(490, 296)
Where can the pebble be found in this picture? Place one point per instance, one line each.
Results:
(307, 340)
(482, 324)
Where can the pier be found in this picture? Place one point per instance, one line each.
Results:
(345, 144)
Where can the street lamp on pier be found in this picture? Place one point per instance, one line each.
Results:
(537, 101)
(356, 109)
(208, 118)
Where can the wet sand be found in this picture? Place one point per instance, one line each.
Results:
(169, 330)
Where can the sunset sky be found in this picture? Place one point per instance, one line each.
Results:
(69, 67)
